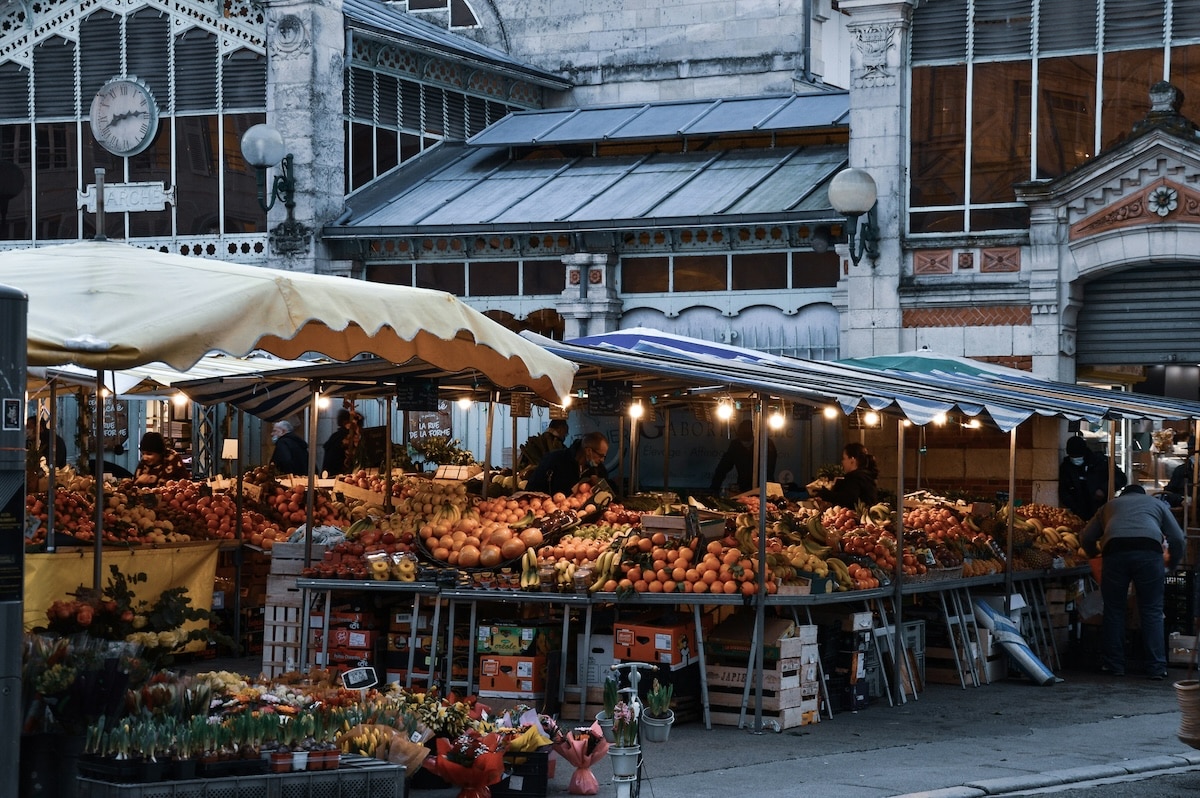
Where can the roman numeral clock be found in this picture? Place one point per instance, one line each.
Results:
(124, 116)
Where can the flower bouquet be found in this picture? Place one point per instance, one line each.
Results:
(582, 748)
(472, 762)
(625, 726)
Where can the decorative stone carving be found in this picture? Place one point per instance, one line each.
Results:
(1001, 259)
(875, 45)
(934, 261)
(288, 37)
(1162, 201)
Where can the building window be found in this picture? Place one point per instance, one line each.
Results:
(984, 70)
(645, 275)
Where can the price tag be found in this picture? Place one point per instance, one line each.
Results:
(359, 679)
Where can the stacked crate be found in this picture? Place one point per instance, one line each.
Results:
(791, 673)
(283, 614)
(849, 686)
(400, 638)
(355, 638)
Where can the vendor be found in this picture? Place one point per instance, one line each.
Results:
(291, 451)
(538, 446)
(338, 449)
(560, 470)
(158, 463)
(858, 481)
(1083, 479)
(739, 458)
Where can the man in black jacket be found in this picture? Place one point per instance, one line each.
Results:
(291, 452)
(1083, 479)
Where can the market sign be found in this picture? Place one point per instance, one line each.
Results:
(431, 424)
(116, 421)
(415, 393)
(608, 397)
(127, 197)
(359, 679)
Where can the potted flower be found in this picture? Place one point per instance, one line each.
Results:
(472, 762)
(658, 716)
(605, 718)
(625, 750)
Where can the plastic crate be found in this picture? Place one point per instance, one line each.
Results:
(358, 777)
(525, 774)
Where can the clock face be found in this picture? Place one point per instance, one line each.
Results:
(124, 116)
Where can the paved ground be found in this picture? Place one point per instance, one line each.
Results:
(997, 739)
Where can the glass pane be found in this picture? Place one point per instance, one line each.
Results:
(15, 174)
(938, 135)
(759, 271)
(494, 278)
(1066, 25)
(392, 274)
(153, 165)
(1128, 76)
(815, 269)
(242, 211)
(1000, 218)
(701, 273)
(387, 150)
(645, 275)
(1000, 130)
(196, 178)
(1066, 115)
(362, 158)
(448, 277)
(1185, 74)
(543, 277)
(56, 214)
(936, 222)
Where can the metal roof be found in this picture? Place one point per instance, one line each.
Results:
(462, 188)
(422, 35)
(691, 118)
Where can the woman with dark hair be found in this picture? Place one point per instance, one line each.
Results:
(857, 483)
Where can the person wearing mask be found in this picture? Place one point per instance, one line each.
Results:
(560, 470)
(858, 481)
(538, 446)
(739, 458)
(335, 460)
(42, 429)
(291, 451)
(1180, 485)
(158, 464)
(1128, 534)
(1083, 479)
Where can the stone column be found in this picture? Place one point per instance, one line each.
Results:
(305, 58)
(868, 294)
(589, 304)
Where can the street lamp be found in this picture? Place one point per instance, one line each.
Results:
(263, 148)
(852, 193)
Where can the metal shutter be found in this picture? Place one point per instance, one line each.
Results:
(196, 71)
(1066, 26)
(1003, 28)
(1141, 316)
(939, 32)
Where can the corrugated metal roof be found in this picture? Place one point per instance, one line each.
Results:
(425, 35)
(668, 120)
(459, 187)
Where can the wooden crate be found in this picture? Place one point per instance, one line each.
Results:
(783, 675)
(774, 700)
(788, 718)
(283, 633)
(282, 591)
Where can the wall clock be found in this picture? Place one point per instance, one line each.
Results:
(124, 116)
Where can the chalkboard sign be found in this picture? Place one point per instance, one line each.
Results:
(519, 405)
(801, 413)
(359, 679)
(372, 445)
(608, 397)
(416, 393)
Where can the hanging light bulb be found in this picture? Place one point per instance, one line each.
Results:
(775, 420)
(973, 424)
(830, 412)
(464, 403)
(180, 400)
(636, 410)
(323, 402)
(871, 418)
(724, 411)
(566, 400)
(940, 419)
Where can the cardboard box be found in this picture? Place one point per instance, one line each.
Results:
(858, 622)
(786, 675)
(673, 646)
(348, 638)
(512, 674)
(511, 640)
(731, 638)
(400, 620)
(594, 665)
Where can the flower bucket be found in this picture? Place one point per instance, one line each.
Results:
(606, 726)
(1187, 693)
(656, 730)
(624, 760)
(300, 760)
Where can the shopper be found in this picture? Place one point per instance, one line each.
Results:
(1180, 485)
(1083, 479)
(739, 458)
(291, 451)
(339, 452)
(560, 470)
(858, 481)
(41, 427)
(538, 446)
(1132, 528)
(158, 463)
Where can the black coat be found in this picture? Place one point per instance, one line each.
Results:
(739, 457)
(290, 455)
(560, 470)
(1082, 489)
(334, 461)
(849, 490)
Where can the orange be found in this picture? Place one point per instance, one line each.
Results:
(641, 586)
(699, 587)
(656, 586)
(731, 586)
(670, 586)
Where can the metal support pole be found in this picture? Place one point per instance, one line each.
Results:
(310, 499)
(756, 645)
(52, 479)
(898, 648)
(98, 473)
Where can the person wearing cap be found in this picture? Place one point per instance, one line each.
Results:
(1128, 534)
(291, 451)
(538, 446)
(158, 463)
(1083, 479)
(41, 428)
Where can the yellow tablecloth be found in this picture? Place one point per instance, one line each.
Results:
(52, 577)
